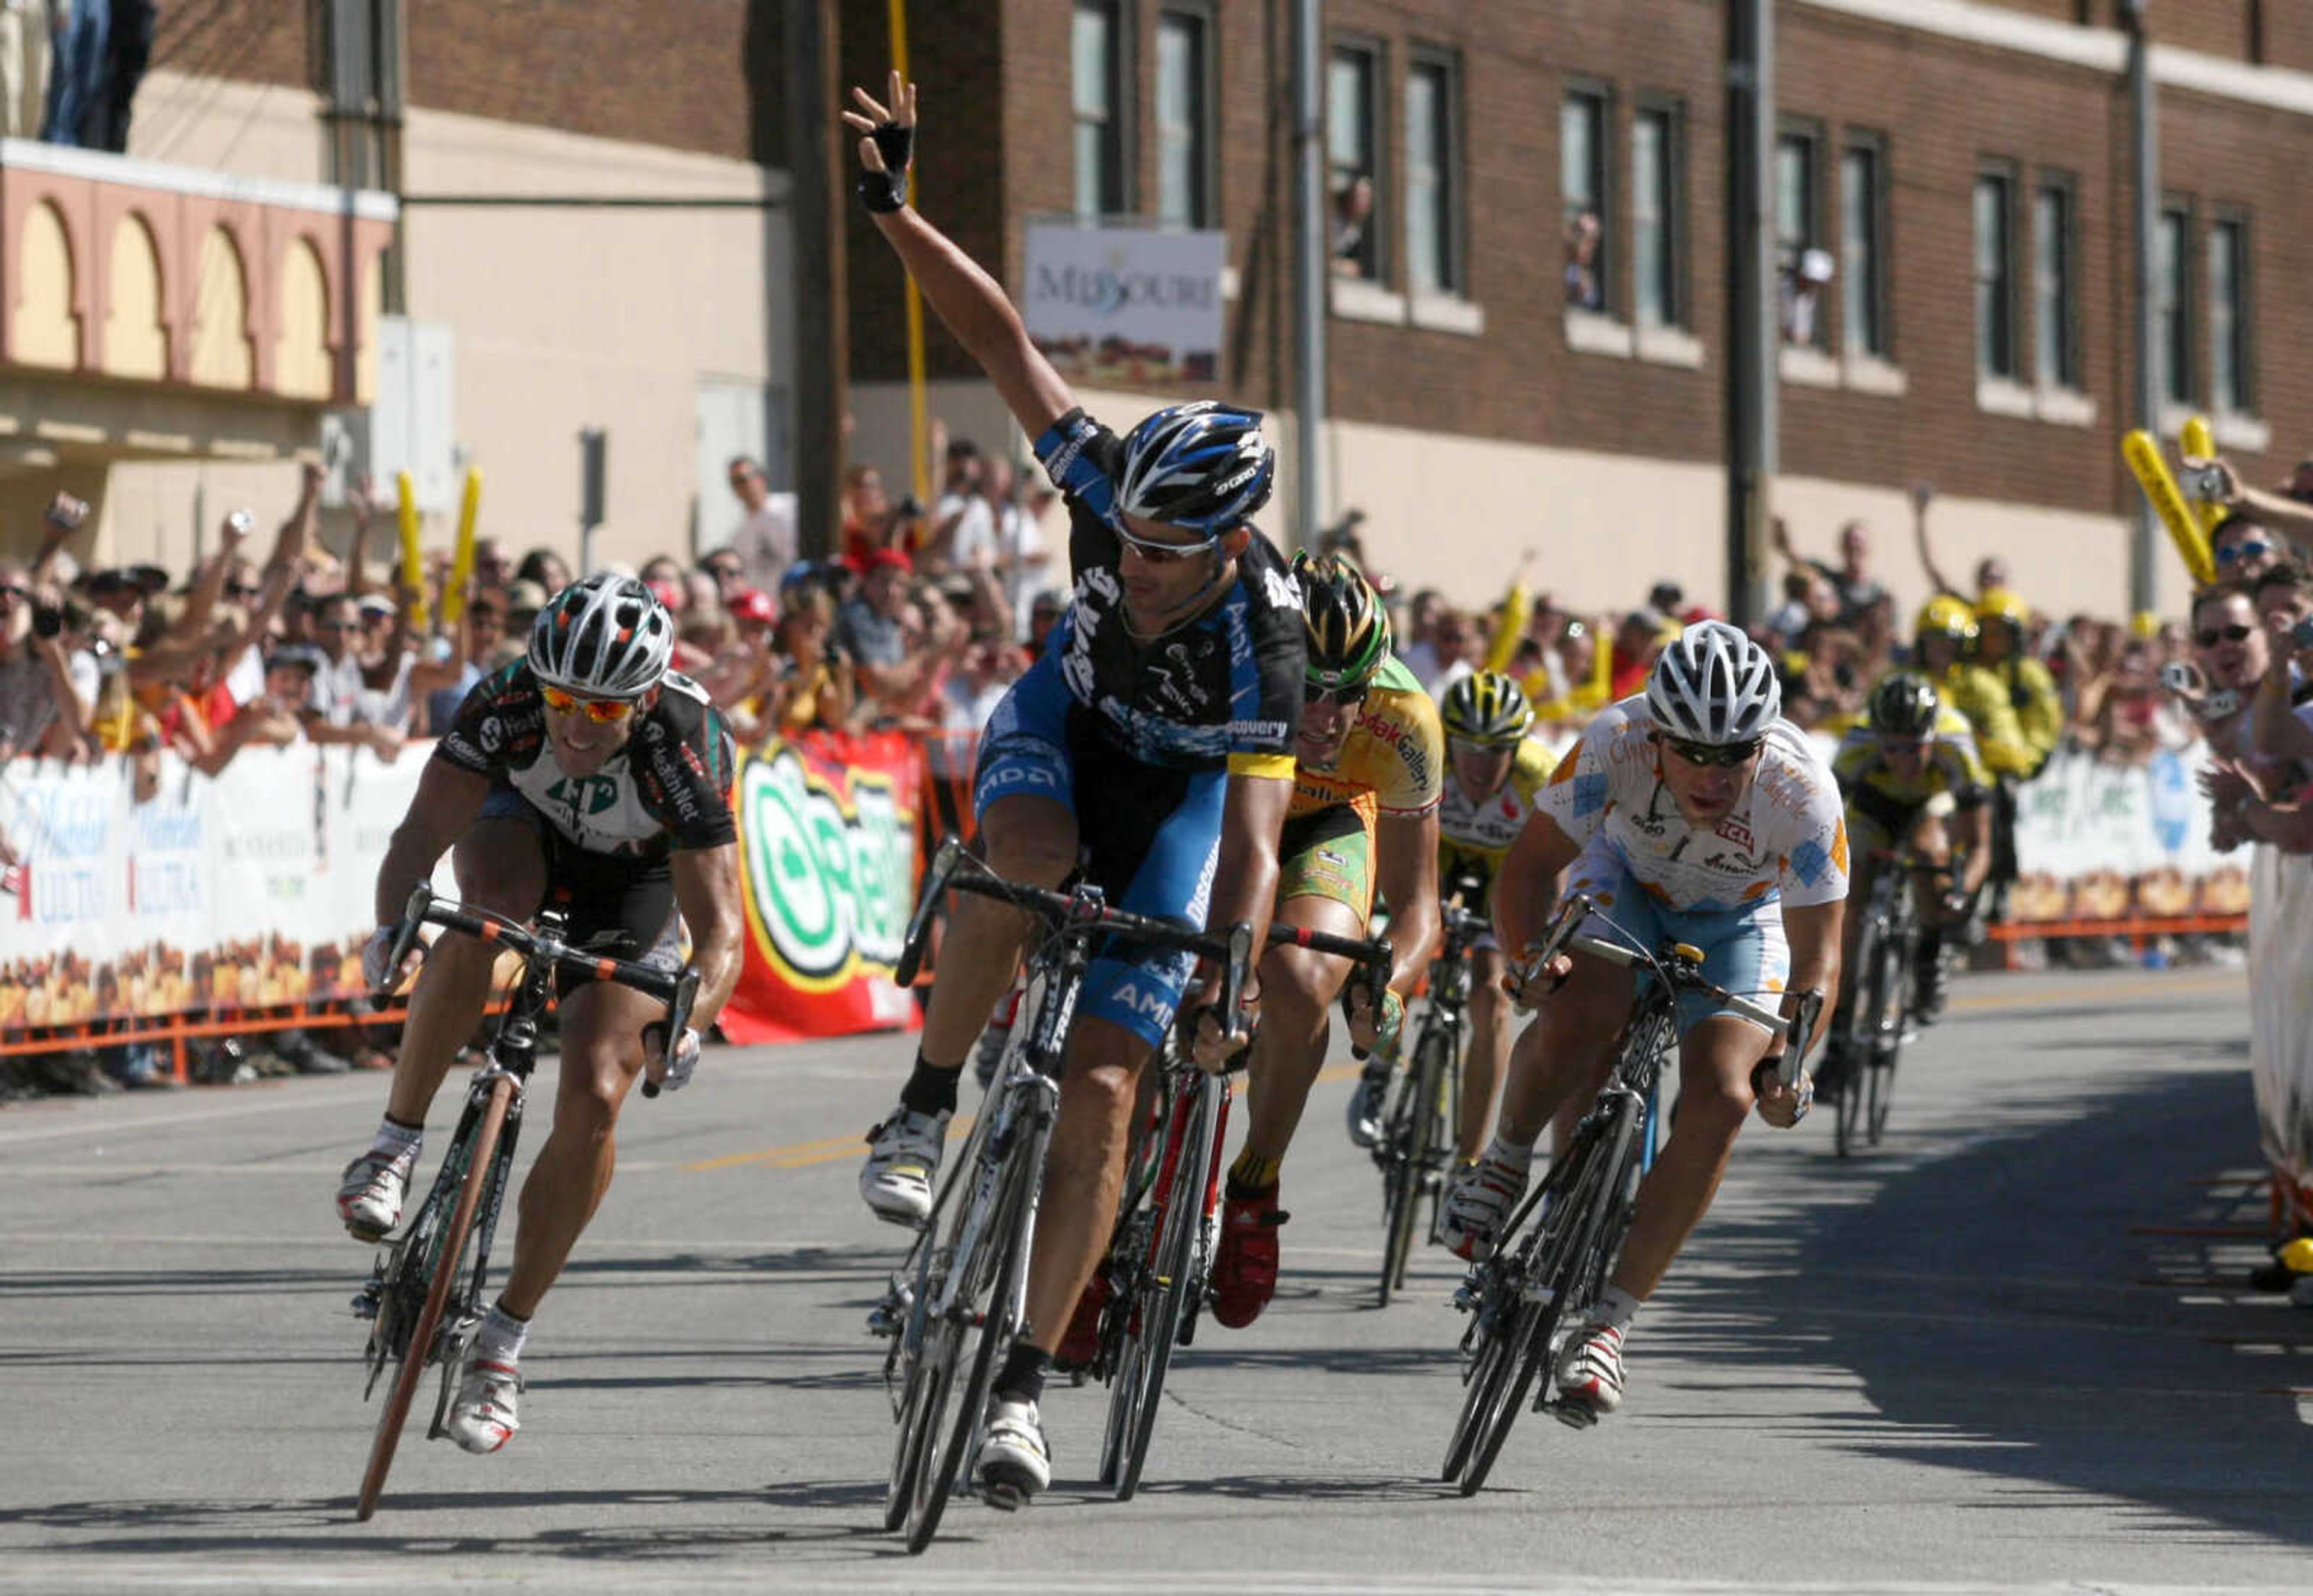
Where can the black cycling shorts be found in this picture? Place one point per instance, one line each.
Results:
(620, 905)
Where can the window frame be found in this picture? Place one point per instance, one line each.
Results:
(1122, 90)
(1452, 208)
(2182, 303)
(1812, 137)
(2240, 223)
(1607, 264)
(1872, 146)
(1375, 245)
(2070, 375)
(1991, 170)
(1205, 132)
(1674, 245)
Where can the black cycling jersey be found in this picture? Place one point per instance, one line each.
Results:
(668, 788)
(1224, 685)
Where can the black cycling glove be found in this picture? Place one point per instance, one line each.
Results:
(887, 190)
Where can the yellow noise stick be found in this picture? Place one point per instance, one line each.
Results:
(2152, 472)
(2198, 443)
(413, 565)
(462, 559)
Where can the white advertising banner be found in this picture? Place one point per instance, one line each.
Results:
(2096, 841)
(252, 889)
(1125, 306)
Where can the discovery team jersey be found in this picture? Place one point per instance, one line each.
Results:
(1787, 838)
(1223, 689)
(666, 789)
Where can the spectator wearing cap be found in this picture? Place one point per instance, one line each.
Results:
(873, 626)
(765, 541)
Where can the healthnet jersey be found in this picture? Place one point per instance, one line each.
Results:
(1224, 688)
(1787, 838)
(666, 789)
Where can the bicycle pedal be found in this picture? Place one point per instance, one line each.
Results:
(1574, 1416)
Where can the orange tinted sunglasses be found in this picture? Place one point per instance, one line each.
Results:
(602, 710)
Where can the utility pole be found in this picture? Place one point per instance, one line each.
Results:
(820, 308)
(1310, 257)
(1754, 330)
(2144, 130)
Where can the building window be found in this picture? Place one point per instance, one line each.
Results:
(1583, 189)
(1097, 65)
(1433, 252)
(1802, 264)
(1656, 185)
(1862, 247)
(2056, 339)
(1353, 146)
(2174, 298)
(2232, 389)
(1184, 120)
(1995, 276)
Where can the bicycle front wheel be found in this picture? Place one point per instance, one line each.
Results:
(1411, 1146)
(449, 1248)
(1167, 1288)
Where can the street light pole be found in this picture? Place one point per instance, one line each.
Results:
(1754, 337)
(2144, 131)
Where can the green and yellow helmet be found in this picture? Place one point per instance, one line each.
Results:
(1488, 708)
(1349, 633)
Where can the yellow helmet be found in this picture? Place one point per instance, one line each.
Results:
(2000, 604)
(1945, 616)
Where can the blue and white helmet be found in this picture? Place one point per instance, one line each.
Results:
(606, 636)
(1203, 465)
(1714, 686)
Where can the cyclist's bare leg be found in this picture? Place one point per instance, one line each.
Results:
(1563, 1057)
(1714, 1076)
(500, 866)
(1023, 839)
(1083, 1170)
(601, 1051)
(1297, 988)
(1488, 1047)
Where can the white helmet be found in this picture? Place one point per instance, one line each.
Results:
(606, 638)
(1712, 685)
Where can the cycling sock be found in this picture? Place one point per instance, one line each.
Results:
(1252, 1175)
(1508, 1154)
(1022, 1379)
(501, 1336)
(395, 1138)
(1616, 1307)
(931, 1089)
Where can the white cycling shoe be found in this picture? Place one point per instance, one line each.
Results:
(483, 1418)
(903, 1155)
(1589, 1376)
(1478, 1201)
(1015, 1463)
(374, 1187)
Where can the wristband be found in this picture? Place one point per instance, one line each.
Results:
(886, 191)
(883, 193)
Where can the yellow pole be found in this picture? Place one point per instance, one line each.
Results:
(2152, 472)
(920, 468)
(461, 559)
(413, 564)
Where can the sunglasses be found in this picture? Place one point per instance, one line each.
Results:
(1917, 746)
(2243, 551)
(1348, 695)
(602, 712)
(1160, 554)
(11, 591)
(2213, 635)
(243, 590)
(1712, 756)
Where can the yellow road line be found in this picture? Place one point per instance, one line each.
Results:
(798, 1155)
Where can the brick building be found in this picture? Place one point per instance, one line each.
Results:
(1961, 166)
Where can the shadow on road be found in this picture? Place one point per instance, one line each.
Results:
(2005, 1319)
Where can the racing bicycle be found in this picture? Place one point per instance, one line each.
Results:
(1416, 1148)
(1528, 1297)
(1860, 1063)
(425, 1294)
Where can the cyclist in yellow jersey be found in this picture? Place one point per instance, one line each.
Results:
(1369, 765)
(1493, 777)
(1911, 778)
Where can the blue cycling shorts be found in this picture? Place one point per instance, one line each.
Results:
(1743, 949)
(1149, 835)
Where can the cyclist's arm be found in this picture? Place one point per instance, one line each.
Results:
(707, 891)
(1526, 890)
(1973, 825)
(448, 800)
(1813, 932)
(974, 308)
(1245, 883)
(1406, 871)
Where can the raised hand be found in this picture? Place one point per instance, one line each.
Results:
(888, 145)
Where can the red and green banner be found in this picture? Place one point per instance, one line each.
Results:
(827, 846)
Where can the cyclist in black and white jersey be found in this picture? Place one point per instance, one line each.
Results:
(1154, 732)
(588, 775)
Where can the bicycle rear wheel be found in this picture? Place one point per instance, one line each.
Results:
(1411, 1143)
(1573, 1230)
(1167, 1288)
(1861, 1035)
(449, 1257)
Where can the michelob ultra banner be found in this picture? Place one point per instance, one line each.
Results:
(827, 842)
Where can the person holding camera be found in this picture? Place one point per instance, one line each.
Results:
(36, 687)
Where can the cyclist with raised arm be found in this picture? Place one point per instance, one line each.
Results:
(1364, 815)
(1910, 777)
(1152, 740)
(590, 776)
(1494, 778)
(1692, 811)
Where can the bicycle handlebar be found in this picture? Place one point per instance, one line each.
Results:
(678, 990)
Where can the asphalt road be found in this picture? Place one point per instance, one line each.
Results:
(2009, 1350)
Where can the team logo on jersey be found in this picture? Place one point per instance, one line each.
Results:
(493, 734)
(1736, 832)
